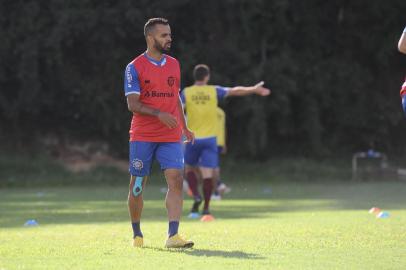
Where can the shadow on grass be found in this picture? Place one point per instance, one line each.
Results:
(211, 253)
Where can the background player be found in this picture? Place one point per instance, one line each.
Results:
(402, 49)
(201, 102)
(219, 186)
(152, 82)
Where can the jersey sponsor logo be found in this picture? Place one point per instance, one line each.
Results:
(158, 94)
(137, 164)
(171, 81)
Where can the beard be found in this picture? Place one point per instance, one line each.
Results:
(160, 48)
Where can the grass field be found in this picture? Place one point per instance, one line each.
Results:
(258, 226)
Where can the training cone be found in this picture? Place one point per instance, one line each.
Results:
(31, 223)
(374, 210)
(383, 214)
(207, 218)
(194, 215)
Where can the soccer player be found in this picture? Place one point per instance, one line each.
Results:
(152, 83)
(200, 102)
(402, 49)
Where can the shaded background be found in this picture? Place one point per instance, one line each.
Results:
(333, 67)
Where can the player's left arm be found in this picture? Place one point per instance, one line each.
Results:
(190, 136)
(402, 42)
(257, 89)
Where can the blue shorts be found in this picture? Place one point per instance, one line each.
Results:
(202, 153)
(142, 154)
(219, 150)
(404, 104)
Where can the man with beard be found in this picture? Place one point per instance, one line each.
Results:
(151, 84)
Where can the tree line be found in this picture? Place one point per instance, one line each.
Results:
(333, 68)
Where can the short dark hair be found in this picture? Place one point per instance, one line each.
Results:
(200, 72)
(152, 22)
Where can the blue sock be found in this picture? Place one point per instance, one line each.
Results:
(173, 228)
(136, 229)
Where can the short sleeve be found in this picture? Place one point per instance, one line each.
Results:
(131, 81)
(221, 92)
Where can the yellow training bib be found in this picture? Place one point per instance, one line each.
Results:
(201, 110)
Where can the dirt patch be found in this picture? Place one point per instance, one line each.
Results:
(82, 156)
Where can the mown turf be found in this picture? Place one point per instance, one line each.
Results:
(258, 226)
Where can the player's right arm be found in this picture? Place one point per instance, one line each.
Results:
(132, 92)
(402, 42)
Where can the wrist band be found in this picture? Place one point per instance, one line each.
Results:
(404, 31)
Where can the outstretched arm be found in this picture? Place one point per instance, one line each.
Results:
(257, 89)
(402, 42)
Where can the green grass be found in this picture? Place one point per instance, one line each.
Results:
(259, 226)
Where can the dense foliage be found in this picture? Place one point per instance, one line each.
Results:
(333, 68)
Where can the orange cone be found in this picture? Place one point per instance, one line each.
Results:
(207, 218)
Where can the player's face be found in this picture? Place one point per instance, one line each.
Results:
(162, 38)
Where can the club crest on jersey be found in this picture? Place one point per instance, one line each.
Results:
(137, 164)
(171, 81)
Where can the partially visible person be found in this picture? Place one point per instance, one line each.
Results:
(402, 42)
(220, 187)
(402, 49)
(403, 97)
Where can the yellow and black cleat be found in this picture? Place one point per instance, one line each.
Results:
(178, 242)
(138, 241)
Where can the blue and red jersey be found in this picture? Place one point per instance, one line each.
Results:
(403, 89)
(157, 83)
